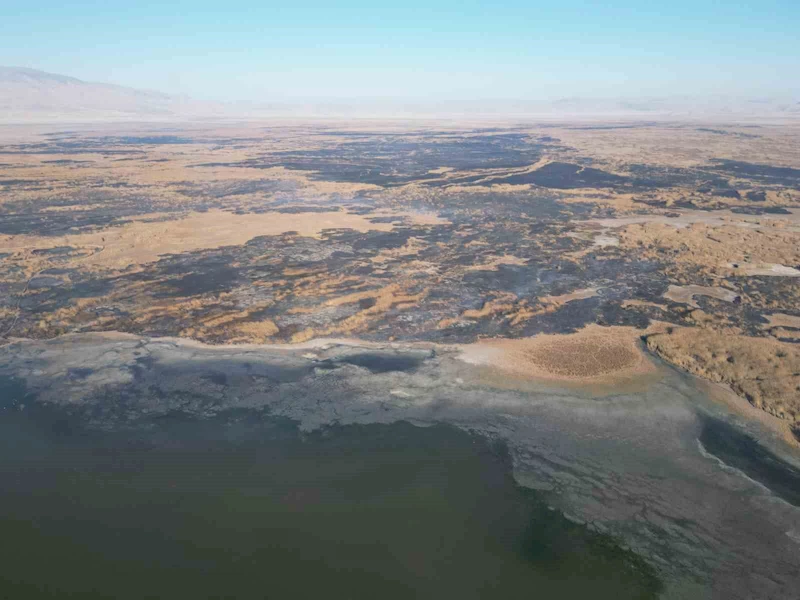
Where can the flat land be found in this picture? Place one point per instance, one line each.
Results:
(684, 234)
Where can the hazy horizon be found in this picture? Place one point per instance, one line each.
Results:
(417, 52)
(401, 300)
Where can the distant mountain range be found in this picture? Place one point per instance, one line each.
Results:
(29, 95)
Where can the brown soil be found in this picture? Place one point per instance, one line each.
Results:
(763, 370)
(605, 356)
(717, 248)
(685, 294)
(782, 320)
(145, 239)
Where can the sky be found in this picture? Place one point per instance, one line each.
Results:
(440, 50)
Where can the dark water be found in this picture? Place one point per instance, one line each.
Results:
(243, 506)
(741, 451)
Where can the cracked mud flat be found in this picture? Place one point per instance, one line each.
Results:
(674, 476)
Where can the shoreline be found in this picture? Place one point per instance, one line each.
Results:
(722, 394)
(487, 357)
(600, 458)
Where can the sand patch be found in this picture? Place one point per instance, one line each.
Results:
(782, 320)
(494, 263)
(604, 240)
(685, 294)
(599, 241)
(147, 238)
(596, 356)
(412, 247)
(765, 270)
(502, 304)
(255, 330)
(581, 294)
(681, 219)
(413, 217)
(641, 304)
(786, 335)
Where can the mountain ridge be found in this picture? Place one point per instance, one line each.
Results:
(30, 94)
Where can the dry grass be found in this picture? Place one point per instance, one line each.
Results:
(782, 320)
(596, 355)
(763, 370)
(716, 247)
(146, 239)
(494, 263)
(391, 296)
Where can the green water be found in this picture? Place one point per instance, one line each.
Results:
(250, 508)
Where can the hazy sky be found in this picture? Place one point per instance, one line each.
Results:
(432, 49)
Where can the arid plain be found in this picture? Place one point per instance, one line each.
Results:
(684, 235)
(616, 303)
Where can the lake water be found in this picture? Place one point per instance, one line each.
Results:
(139, 467)
(246, 506)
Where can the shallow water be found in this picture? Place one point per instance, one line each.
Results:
(243, 505)
(743, 452)
(700, 495)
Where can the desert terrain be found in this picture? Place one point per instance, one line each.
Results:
(616, 303)
(687, 235)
